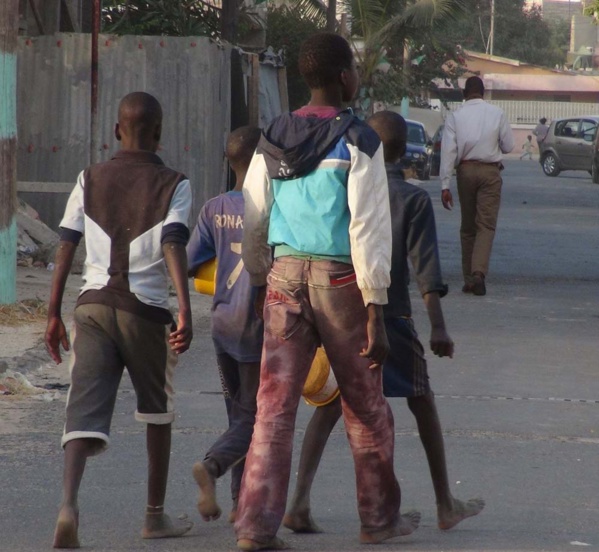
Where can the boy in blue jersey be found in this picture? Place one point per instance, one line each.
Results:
(316, 192)
(236, 329)
(404, 371)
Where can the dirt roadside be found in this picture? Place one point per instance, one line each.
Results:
(23, 325)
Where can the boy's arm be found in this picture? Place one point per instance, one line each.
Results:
(201, 247)
(378, 344)
(370, 223)
(72, 226)
(370, 239)
(422, 248)
(421, 244)
(176, 261)
(258, 198)
(175, 236)
(441, 343)
(56, 334)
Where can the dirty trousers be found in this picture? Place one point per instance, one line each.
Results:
(479, 190)
(308, 303)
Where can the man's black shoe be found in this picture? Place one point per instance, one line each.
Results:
(478, 284)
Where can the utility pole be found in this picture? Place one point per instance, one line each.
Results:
(492, 32)
(9, 27)
(93, 142)
(332, 16)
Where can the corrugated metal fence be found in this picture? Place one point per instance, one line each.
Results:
(529, 113)
(190, 77)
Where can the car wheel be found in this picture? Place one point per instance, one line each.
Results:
(550, 166)
(595, 173)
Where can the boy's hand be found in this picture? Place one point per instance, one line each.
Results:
(378, 345)
(56, 335)
(180, 339)
(441, 343)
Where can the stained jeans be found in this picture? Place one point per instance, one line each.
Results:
(309, 303)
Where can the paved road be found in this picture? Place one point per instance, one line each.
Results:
(519, 404)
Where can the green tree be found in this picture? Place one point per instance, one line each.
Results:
(161, 17)
(520, 32)
(402, 47)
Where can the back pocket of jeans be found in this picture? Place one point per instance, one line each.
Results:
(282, 314)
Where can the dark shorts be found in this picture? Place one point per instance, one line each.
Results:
(105, 340)
(404, 371)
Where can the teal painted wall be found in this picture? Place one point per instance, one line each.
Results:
(8, 95)
(8, 133)
(8, 263)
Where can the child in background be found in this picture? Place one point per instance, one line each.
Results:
(527, 147)
(236, 329)
(404, 371)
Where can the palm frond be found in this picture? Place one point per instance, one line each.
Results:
(315, 10)
(424, 13)
(421, 16)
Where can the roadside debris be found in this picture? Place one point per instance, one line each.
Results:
(36, 242)
(15, 383)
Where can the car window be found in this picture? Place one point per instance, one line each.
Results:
(588, 129)
(567, 128)
(416, 134)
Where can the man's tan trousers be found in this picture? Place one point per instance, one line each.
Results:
(479, 190)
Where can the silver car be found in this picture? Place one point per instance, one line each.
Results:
(569, 145)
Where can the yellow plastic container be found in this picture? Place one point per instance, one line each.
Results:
(321, 387)
(204, 280)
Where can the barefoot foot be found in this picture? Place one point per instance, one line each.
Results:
(160, 526)
(250, 545)
(301, 522)
(207, 505)
(233, 512)
(67, 525)
(448, 518)
(407, 524)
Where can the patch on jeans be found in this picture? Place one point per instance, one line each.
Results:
(341, 280)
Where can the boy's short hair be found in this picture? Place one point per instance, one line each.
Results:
(542, 120)
(392, 130)
(529, 136)
(322, 57)
(241, 145)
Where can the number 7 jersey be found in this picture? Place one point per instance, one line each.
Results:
(236, 330)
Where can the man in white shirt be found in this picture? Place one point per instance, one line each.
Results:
(474, 139)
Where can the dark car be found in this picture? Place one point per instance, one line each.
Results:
(436, 156)
(418, 150)
(569, 145)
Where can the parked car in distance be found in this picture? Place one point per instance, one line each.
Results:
(569, 145)
(436, 155)
(418, 150)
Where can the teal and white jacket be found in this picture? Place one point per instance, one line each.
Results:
(317, 187)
